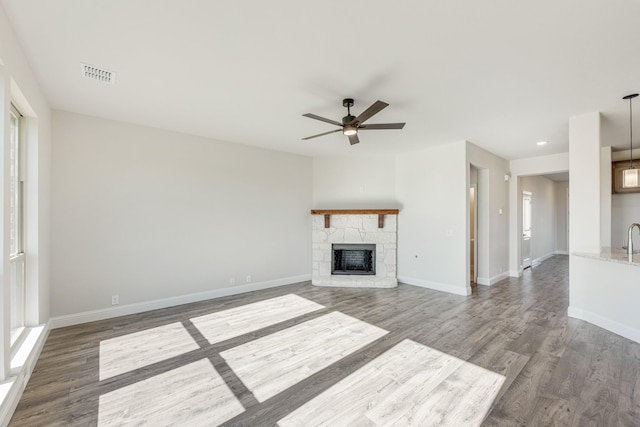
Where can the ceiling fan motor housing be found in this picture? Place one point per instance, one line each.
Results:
(348, 119)
(348, 102)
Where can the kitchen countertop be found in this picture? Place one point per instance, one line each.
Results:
(617, 255)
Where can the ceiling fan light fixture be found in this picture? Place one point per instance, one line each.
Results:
(631, 176)
(350, 130)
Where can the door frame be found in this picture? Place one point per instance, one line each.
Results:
(523, 260)
(474, 187)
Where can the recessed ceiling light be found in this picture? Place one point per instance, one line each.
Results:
(541, 143)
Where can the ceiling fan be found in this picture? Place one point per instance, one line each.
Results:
(351, 125)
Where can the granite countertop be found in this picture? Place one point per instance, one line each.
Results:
(617, 255)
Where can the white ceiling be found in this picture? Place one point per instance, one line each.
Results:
(502, 74)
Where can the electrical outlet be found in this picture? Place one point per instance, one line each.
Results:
(232, 281)
(115, 299)
(248, 278)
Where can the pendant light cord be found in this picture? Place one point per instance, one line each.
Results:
(630, 135)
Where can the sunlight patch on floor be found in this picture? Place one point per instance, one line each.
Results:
(410, 384)
(193, 395)
(133, 351)
(223, 325)
(270, 365)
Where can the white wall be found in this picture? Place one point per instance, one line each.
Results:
(148, 214)
(543, 215)
(605, 196)
(433, 243)
(431, 189)
(354, 182)
(585, 186)
(493, 214)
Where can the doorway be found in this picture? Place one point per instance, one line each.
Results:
(473, 248)
(526, 229)
(567, 224)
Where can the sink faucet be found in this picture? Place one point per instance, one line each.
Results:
(630, 244)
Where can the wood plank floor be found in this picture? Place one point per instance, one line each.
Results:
(550, 369)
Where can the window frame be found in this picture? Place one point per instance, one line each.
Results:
(17, 257)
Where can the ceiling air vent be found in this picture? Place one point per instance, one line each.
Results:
(99, 74)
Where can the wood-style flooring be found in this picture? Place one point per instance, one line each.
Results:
(302, 355)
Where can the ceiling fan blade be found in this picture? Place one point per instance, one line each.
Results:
(322, 119)
(322, 134)
(383, 126)
(353, 139)
(375, 108)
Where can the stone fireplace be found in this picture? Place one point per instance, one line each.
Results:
(355, 248)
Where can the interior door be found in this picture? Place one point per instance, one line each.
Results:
(526, 229)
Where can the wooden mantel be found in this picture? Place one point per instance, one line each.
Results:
(328, 212)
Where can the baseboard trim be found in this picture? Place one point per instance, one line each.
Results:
(108, 313)
(435, 286)
(605, 323)
(515, 273)
(489, 281)
(11, 390)
(536, 262)
(561, 253)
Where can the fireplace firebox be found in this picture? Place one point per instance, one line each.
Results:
(353, 259)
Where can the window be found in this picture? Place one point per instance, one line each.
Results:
(16, 227)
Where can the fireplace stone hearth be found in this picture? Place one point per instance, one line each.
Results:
(360, 229)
